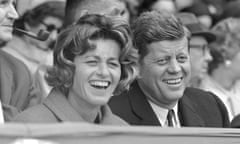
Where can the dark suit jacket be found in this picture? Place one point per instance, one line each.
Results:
(235, 123)
(16, 89)
(197, 108)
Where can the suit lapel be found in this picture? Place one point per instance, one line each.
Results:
(187, 113)
(140, 106)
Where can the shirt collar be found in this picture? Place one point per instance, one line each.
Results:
(161, 113)
(1, 114)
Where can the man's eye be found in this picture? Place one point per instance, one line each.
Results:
(182, 59)
(162, 61)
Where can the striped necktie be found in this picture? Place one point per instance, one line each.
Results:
(170, 118)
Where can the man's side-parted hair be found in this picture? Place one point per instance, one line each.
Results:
(77, 39)
(156, 26)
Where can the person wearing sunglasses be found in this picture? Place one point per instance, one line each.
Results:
(36, 54)
(200, 55)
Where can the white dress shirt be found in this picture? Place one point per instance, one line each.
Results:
(1, 114)
(161, 114)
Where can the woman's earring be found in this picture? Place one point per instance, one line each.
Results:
(228, 62)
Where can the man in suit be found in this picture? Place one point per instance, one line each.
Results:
(160, 95)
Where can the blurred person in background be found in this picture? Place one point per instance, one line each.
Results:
(207, 11)
(159, 5)
(75, 8)
(133, 8)
(181, 4)
(24, 5)
(172, 6)
(231, 9)
(224, 70)
(36, 54)
(16, 88)
(93, 59)
(200, 55)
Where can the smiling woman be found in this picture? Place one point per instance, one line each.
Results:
(93, 59)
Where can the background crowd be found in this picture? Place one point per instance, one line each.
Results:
(139, 62)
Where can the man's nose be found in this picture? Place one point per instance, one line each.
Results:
(12, 13)
(174, 66)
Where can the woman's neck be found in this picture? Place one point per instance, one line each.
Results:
(224, 78)
(87, 111)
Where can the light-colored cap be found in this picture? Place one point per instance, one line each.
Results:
(24, 5)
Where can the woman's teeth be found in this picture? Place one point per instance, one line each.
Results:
(100, 84)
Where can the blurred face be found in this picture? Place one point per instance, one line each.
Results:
(133, 5)
(164, 5)
(200, 56)
(50, 24)
(97, 73)
(205, 20)
(123, 11)
(109, 7)
(165, 72)
(234, 66)
(7, 16)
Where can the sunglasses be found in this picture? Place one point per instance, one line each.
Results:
(50, 27)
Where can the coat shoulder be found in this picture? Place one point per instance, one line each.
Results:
(204, 98)
(208, 105)
(36, 114)
(235, 123)
(200, 95)
(119, 102)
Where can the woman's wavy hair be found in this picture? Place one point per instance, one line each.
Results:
(77, 39)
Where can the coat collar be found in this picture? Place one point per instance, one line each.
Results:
(141, 107)
(57, 103)
(187, 113)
